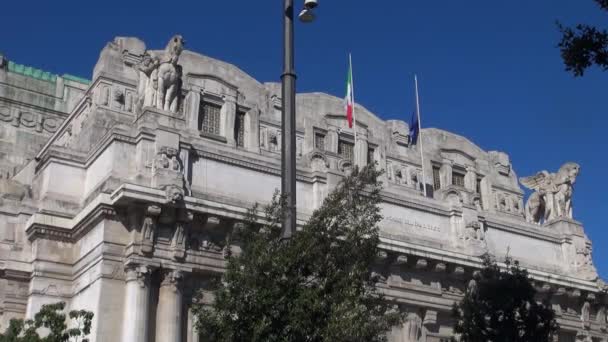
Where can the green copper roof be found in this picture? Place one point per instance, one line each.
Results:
(41, 74)
(76, 79)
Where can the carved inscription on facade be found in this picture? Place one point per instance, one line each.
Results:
(412, 224)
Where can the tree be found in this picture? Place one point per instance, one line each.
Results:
(584, 46)
(52, 319)
(501, 306)
(317, 286)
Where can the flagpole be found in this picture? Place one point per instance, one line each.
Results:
(420, 135)
(352, 84)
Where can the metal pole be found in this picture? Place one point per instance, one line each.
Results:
(420, 137)
(288, 124)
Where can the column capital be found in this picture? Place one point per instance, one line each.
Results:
(172, 279)
(138, 273)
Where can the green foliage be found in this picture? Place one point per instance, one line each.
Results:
(50, 319)
(317, 286)
(500, 306)
(584, 46)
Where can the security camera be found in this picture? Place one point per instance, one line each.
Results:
(310, 4)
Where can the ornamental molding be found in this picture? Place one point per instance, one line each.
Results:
(41, 123)
(44, 226)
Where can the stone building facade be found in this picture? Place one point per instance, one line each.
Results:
(117, 196)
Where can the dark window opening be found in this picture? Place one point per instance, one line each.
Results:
(458, 179)
(436, 178)
(209, 121)
(320, 141)
(345, 150)
(239, 129)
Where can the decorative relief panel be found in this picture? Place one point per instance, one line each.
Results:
(507, 202)
(74, 128)
(403, 174)
(38, 122)
(270, 138)
(116, 97)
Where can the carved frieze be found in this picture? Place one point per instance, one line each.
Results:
(38, 122)
(400, 173)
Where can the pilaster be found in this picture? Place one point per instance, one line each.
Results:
(361, 151)
(445, 173)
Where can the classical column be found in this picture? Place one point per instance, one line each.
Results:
(137, 293)
(192, 333)
(169, 309)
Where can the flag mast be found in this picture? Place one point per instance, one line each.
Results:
(420, 135)
(352, 85)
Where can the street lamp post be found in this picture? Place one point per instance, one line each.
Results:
(288, 115)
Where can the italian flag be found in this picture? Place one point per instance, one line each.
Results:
(349, 99)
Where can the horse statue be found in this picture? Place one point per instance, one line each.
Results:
(169, 75)
(160, 77)
(552, 197)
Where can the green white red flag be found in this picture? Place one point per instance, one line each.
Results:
(350, 98)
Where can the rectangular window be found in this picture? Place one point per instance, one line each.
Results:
(320, 141)
(239, 129)
(345, 149)
(458, 179)
(436, 178)
(370, 156)
(209, 121)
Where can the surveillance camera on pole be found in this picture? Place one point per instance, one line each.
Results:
(307, 15)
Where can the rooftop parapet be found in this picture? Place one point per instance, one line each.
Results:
(38, 74)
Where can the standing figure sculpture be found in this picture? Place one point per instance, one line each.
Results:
(552, 197)
(160, 77)
(146, 90)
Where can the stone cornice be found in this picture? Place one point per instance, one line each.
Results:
(524, 228)
(388, 243)
(51, 227)
(421, 203)
(128, 193)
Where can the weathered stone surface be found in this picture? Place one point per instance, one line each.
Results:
(121, 196)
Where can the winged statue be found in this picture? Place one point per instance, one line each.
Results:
(552, 196)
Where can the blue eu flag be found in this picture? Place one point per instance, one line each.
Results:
(414, 129)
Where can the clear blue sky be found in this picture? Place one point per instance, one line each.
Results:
(488, 70)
